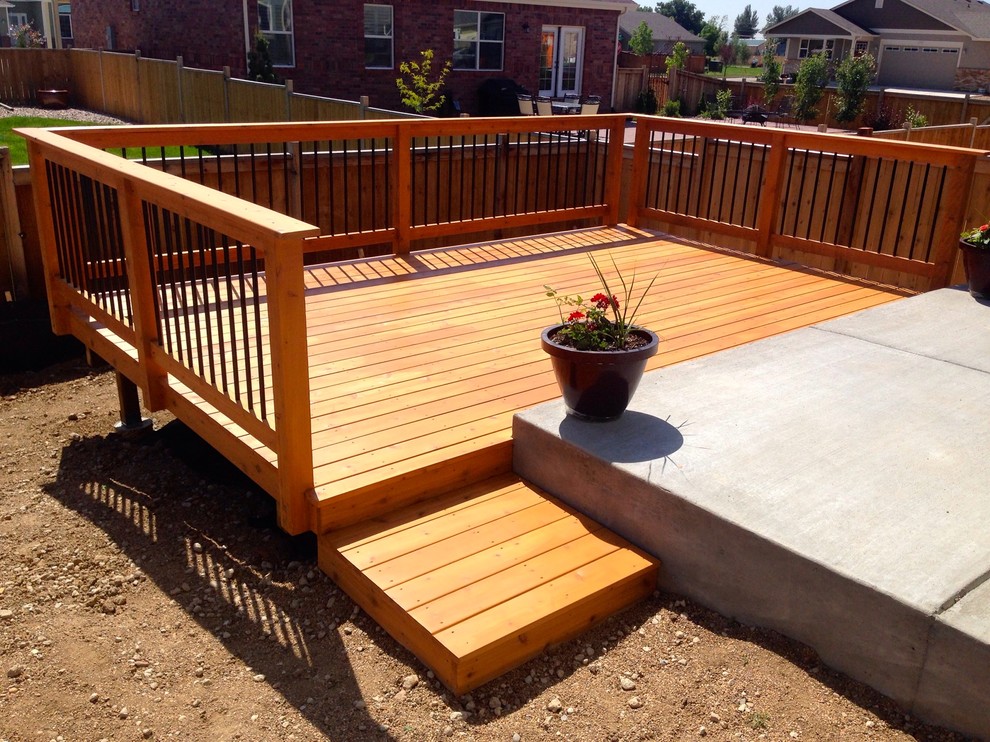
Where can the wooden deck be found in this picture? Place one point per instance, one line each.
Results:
(418, 362)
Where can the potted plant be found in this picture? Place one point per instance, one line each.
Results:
(598, 353)
(975, 247)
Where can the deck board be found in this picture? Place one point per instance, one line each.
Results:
(413, 360)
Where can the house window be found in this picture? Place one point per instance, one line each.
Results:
(809, 47)
(18, 19)
(275, 22)
(377, 36)
(861, 47)
(65, 21)
(478, 40)
(135, 5)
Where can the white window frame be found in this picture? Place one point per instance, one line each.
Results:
(68, 16)
(270, 34)
(805, 50)
(18, 19)
(478, 41)
(390, 36)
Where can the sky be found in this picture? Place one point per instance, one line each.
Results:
(732, 8)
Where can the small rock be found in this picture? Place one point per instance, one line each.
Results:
(626, 684)
(869, 724)
(793, 734)
(259, 678)
(400, 696)
(555, 706)
(359, 704)
(715, 718)
(410, 681)
(123, 713)
(6, 613)
(456, 716)
(702, 731)
(109, 607)
(147, 733)
(635, 703)
(94, 697)
(197, 547)
(15, 672)
(516, 737)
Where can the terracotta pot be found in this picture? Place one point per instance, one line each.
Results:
(976, 262)
(598, 385)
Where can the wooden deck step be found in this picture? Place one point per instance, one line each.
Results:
(477, 581)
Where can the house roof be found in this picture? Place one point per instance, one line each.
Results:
(819, 15)
(662, 27)
(620, 5)
(969, 16)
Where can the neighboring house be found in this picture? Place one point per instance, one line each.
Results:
(347, 49)
(666, 32)
(52, 19)
(939, 44)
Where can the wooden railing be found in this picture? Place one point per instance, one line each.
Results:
(854, 205)
(395, 184)
(164, 278)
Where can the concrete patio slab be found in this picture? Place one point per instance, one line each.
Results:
(830, 483)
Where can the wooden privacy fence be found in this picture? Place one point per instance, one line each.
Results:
(156, 91)
(969, 135)
(884, 211)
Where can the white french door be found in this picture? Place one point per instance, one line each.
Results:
(561, 60)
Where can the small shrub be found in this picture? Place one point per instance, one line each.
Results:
(418, 89)
(672, 108)
(717, 109)
(678, 56)
(646, 102)
(883, 118)
(812, 77)
(260, 67)
(641, 41)
(915, 117)
(24, 36)
(853, 75)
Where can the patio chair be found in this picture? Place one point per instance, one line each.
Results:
(784, 112)
(526, 105)
(589, 108)
(544, 107)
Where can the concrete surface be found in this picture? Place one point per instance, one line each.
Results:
(830, 483)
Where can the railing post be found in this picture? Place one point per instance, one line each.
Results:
(613, 170)
(141, 288)
(58, 305)
(770, 193)
(640, 171)
(11, 244)
(958, 186)
(290, 381)
(402, 197)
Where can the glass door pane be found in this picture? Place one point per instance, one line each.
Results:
(548, 61)
(571, 52)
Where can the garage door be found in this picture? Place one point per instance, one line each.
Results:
(918, 66)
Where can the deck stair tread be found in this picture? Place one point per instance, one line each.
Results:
(477, 581)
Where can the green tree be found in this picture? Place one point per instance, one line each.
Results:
(747, 23)
(812, 77)
(260, 67)
(714, 38)
(770, 76)
(684, 12)
(780, 13)
(853, 76)
(678, 57)
(641, 41)
(419, 92)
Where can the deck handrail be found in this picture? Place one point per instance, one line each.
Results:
(126, 246)
(884, 204)
(431, 150)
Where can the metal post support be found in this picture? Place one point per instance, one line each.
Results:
(131, 421)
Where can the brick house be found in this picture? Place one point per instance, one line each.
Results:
(347, 49)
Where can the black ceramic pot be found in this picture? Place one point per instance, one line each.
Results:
(976, 262)
(598, 385)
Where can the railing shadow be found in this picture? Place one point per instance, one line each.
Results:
(218, 552)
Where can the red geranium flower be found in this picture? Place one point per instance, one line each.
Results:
(985, 227)
(575, 316)
(600, 301)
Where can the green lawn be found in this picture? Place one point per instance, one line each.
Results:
(735, 70)
(18, 145)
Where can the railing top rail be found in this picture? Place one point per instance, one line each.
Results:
(137, 136)
(243, 220)
(840, 143)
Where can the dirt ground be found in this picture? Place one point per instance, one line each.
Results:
(146, 593)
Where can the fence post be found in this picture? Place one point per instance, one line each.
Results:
(286, 297)
(363, 103)
(640, 171)
(103, 82)
(137, 84)
(972, 137)
(965, 109)
(288, 100)
(180, 73)
(57, 304)
(11, 244)
(226, 95)
(958, 187)
(907, 130)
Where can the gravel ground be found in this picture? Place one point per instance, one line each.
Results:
(146, 593)
(70, 114)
